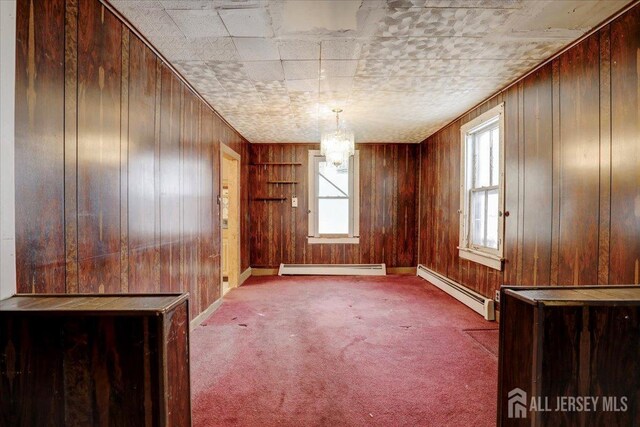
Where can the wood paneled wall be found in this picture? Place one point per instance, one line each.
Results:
(572, 172)
(117, 162)
(388, 208)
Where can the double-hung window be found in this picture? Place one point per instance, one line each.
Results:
(481, 189)
(333, 200)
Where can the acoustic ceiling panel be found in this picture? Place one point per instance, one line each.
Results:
(400, 69)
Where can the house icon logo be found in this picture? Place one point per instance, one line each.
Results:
(517, 400)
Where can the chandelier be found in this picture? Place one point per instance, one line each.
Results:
(339, 145)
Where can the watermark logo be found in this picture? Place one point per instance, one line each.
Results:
(517, 403)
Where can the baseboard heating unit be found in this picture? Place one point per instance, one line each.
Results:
(333, 270)
(478, 303)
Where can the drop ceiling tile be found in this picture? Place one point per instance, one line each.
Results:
(336, 84)
(397, 22)
(507, 4)
(417, 63)
(175, 47)
(136, 4)
(375, 67)
(458, 22)
(187, 4)
(299, 49)
(239, 4)
(384, 48)
(153, 23)
(257, 49)
(196, 24)
(400, 4)
(415, 68)
(264, 70)
(228, 70)
(521, 49)
(340, 49)
(240, 88)
(369, 83)
(200, 74)
(301, 70)
(338, 68)
(271, 87)
(217, 49)
(442, 48)
(308, 85)
(247, 22)
(331, 100)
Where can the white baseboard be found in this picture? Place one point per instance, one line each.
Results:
(333, 269)
(196, 321)
(478, 303)
(244, 276)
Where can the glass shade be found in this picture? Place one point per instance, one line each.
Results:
(337, 146)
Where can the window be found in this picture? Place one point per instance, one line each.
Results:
(481, 189)
(333, 200)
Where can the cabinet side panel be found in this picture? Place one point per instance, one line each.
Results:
(31, 387)
(614, 349)
(516, 354)
(178, 386)
(562, 373)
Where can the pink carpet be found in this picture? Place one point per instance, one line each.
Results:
(352, 351)
(488, 338)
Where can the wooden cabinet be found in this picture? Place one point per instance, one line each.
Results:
(103, 360)
(575, 351)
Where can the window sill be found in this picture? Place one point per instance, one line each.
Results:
(491, 261)
(333, 240)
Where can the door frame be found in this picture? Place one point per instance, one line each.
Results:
(230, 154)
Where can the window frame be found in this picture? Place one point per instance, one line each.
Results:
(467, 250)
(313, 235)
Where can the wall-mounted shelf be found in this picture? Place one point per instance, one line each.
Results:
(269, 199)
(277, 164)
(282, 182)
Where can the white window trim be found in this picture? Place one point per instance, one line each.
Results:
(313, 236)
(490, 258)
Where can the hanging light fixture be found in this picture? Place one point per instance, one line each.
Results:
(339, 145)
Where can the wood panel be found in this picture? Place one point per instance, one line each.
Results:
(143, 248)
(190, 141)
(206, 220)
(170, 180)
(625, 149)
(571, 172)
(98, 149)
(579, 163)
(388, 211)
(40, 83)
(117, 162)
(537, 177)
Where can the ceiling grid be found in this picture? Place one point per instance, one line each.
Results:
(400, 69)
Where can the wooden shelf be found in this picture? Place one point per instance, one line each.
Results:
(277, 164)
(269, 199)
(282, 182)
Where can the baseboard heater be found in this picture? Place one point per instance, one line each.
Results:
(332, 270)
(478, 303)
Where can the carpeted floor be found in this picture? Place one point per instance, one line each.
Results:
(347, 351)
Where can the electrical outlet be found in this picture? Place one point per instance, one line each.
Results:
(294, 202)
(497, 296)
